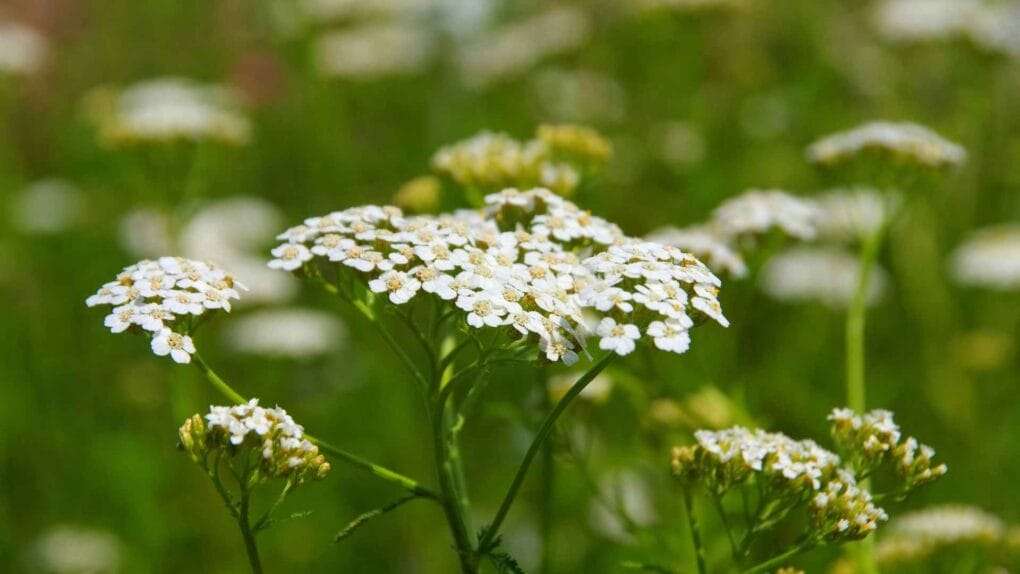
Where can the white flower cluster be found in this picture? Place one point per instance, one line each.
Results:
(22, 49)
(170, 109)
(823, 274)
(872, 438)
(150, 296)
(703, 243)
(285, 452)
(524, 262)
(844, 511)
(990, 257)
(904, 142)
(777, 457)
(517, 46)
(758, 211)
(375, 50)
(990, 26)
(849, 215)
(916, 535)
(494, 161)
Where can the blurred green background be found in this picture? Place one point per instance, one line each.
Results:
(700, 104)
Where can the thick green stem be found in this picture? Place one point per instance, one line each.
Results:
(855, 364)
(536, 446)
(692, 522)
(353, 459)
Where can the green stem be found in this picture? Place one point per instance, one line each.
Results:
(692, 521)
(453, 502)
(855, 364)
(364, 518)
(372, 468)
(717, 504)
(536, 445)
(772, 563)
(246, 531)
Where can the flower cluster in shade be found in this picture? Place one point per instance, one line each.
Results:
(792, 473)
(554, 159)
(167, 110)
(989, 257)
(746, 216)
(873, 439)
(915, 536)
(235, 431)
(166, 299)
(529, 262)
(900, 142)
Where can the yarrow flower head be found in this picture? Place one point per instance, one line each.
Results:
(902, 143)
(530, 263)
(165, 300)
(167, 110)
(788, 473)
(990, 257)
(554, 159)
(915, 536)
(872, 439)
(852, 215)
(705, 244)
(758, 211)
(235, 431)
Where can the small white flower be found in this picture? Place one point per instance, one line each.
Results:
(618, 338)
(290, 256)
(122, 318)
(670, 336)
(400, 286)
(179, 347)
(183, 302)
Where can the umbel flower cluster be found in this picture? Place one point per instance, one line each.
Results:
(554, 159)
(914, 537)
(739, 220)
(899, 142)
(166, 299)
(529, 261)
(245, 431)
(791, 474)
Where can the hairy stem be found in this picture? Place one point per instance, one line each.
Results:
(536, 445)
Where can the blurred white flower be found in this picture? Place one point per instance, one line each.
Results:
(680, 144)
(169, 109)
(329, 10)
(822, 274)
(994, 27)
(145, 232)
(703, 243)
(917, 534)
(233, 232)
(990, 257)
(758, 211)
(625, 499)
(48, 206)
(375, 50)
(597, 391)
(579, 96)
(903, 141)
(295, 333)
(515, 47)
(77, 550)
(853, 214)
(22, 49)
